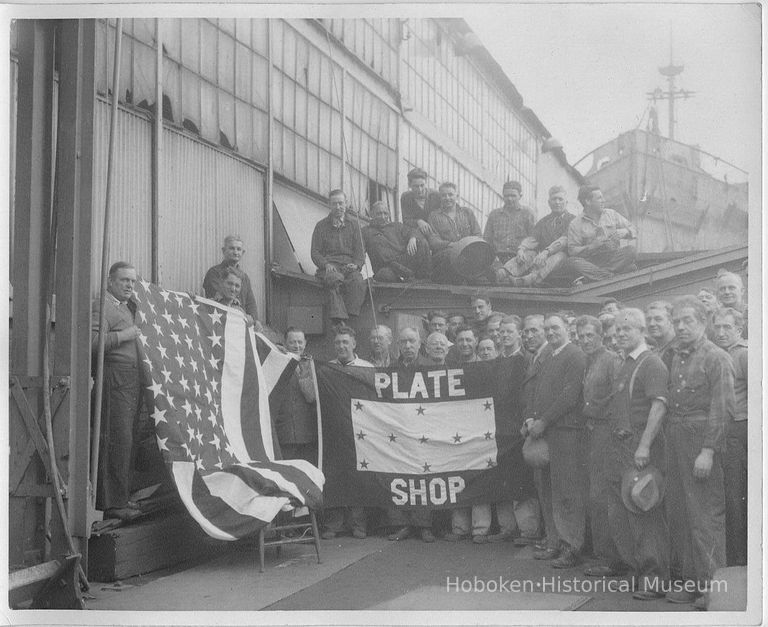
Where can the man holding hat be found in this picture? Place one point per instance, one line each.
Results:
(635, 454)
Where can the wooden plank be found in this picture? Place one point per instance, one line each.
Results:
(33, 428)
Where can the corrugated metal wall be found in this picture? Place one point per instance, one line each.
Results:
(131, 213)
(207, 195)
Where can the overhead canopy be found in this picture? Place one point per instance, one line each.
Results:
(298, 215)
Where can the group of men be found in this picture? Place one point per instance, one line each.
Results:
(561, 246)
(225, 283)
(646, 430)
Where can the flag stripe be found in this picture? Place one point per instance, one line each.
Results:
(241, 497)
(264, 421)
(232, 385)
(251, 410)
(184, 474)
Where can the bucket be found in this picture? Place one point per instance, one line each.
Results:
(471, 256)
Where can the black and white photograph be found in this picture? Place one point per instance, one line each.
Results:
(408, 313)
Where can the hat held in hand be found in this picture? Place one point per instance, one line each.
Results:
(642, 490)
(536, 452)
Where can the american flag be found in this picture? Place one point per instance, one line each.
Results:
(210, 379)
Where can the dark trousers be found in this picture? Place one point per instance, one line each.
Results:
(604, 263)
(339, 519)
(641, 539)
(695, 507)
(735, 476)
(599, 435)
(307, 452)
(407, 266)
(412, 518)
(562, 488)
(346, 291)
(121, 401)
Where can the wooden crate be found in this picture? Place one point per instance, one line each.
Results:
(166, 539)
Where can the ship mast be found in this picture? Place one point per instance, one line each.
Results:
(672, 93)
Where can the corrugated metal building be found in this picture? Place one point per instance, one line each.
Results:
(257, 113)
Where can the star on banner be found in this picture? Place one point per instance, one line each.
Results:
(488, 405)
(488, 435)
(156, 388)
(457, 438)
(363, 464)
(392, 437)
(420, 410)
(361, 435)
(423, 439)
(426, 467)
(491, 463)
(358, 406)
(159, 416)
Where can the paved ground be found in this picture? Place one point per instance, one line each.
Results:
(372, 574)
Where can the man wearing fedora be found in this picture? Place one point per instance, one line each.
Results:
(700, 403)
(635, 457)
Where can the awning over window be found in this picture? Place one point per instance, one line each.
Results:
(294, 223)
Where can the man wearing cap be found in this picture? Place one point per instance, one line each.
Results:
(509, 225)
(545, 252)
(701, 402)
(397, 252)
(417, 203)
(337, 251)
(594, 238)
(727, 324)
(636, 410)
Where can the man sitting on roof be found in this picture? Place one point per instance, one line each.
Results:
(337, 251)
(397, 252)
(417, 203)
(594, 236)
(508, 226)
(451, 223)
(544, 252)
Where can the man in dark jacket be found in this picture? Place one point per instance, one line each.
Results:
(337, 251)
(417, 203)
(397, 252)
(553, 412)
(296, 417)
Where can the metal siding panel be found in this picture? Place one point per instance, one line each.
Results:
(130, 221)
(208, 195)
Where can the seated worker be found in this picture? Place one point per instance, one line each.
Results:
(451, 223)
(417, 203)
(509, 225)
(593, 238)
(337, 251)
(397, 252)
(232, 251)
(545, 252)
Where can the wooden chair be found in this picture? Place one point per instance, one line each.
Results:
(278, 526)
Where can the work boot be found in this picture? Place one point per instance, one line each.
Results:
(546, 554)
(400, 534)
(567, 559)
(427, 536)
